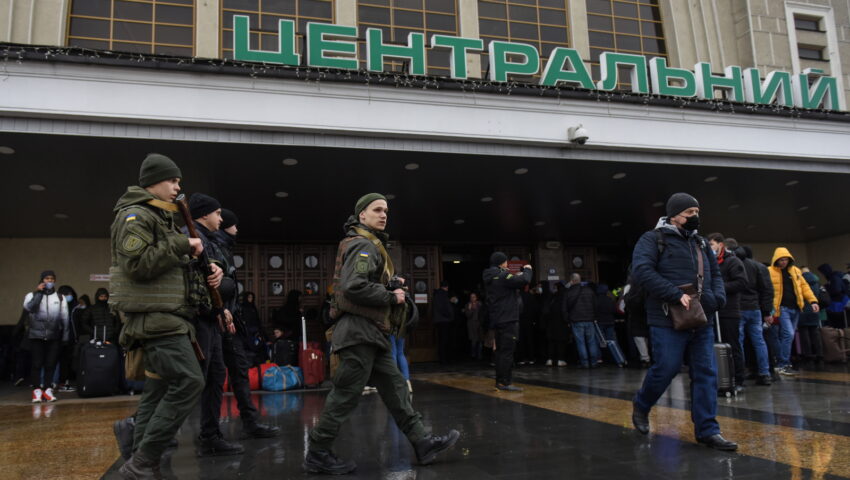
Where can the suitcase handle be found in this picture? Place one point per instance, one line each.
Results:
(303, 333)
(94, 336)
(717, 324)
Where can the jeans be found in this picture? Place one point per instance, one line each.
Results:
(587, 343)
(750, 325)
(397, 345)
(45, 354)
(788, 319)
(214, 370)
(669, 348)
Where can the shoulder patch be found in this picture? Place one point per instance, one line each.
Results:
(133, 243)
(130, 218)
(364, 254)
(361, 266)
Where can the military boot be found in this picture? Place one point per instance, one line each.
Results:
(218, 446)
(261, 430)
(326, 461)
(123, 430)
(140, 467)
(430, 446)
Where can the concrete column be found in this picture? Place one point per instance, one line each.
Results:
(208, 28)
(678, 33)
(6, 14)
(467, 17)
(579, 38)
(346, 12)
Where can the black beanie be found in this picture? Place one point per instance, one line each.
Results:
(228, 218)
(679, 202)
(498, 258)
(156, 168)
(200, 205)
(47, 273)
(365, 200)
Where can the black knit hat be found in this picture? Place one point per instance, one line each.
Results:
(156, 168)
(498, 258)
(228, 218)
(200, 205)
(365, 200)
(47, 273)
(679, 202)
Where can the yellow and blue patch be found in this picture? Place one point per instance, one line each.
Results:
(364, 254)
(129, 218)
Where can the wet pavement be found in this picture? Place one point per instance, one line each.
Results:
(568, 423)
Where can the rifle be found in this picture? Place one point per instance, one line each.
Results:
(215, 295)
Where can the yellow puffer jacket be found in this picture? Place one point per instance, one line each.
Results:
(801, 286)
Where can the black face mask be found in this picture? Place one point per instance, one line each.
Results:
(692, 223)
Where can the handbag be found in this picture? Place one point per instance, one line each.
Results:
(694, 316)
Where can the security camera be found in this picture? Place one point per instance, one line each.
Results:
(577, 134)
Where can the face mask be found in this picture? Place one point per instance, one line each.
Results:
(48, 285)
(692, 223)
(69, 298)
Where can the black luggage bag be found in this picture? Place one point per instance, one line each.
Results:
(100, 368)
(725, 365)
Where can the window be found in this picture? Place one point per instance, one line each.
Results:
(628, 26)
(138, 26)
(810, 53)
(807, 23)
(541, 23)
(264, 15)
(398, 18)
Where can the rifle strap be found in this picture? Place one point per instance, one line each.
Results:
(167, 206)
(389, 269)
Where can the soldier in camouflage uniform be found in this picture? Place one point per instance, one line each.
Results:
(157, 292)
(365, 307)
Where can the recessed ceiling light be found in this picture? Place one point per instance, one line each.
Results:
(486, 199)
(575, 202)
(791, 183)
(658, 204)
(37, 188)
(460, 221)
(411, 166)
(521, 171)
(619, 175)
(803, 208)
(7, 150)
(455, 261)
(61, 216)
(811, 227)
(275, 219)
(617, 224)
(710, 179)
(289, 162)
(281, 194)
(734, 206)
(390, 196)
(539, 223)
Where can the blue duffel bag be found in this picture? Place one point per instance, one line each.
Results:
(278, 379)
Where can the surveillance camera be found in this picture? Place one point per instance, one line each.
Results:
(577, 135)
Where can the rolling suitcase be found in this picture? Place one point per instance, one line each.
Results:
(832, 340)
(612, 347)
(311, 360)
(725, 364)
(100, 368)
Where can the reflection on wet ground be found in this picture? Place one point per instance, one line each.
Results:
(567, 424)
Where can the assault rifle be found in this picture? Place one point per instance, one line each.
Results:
(204, 260)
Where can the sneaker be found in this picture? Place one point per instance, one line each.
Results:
(36, 395)
(508, 388)
(48, 395)
(763, 380)
(562, 363)
(432, 445)
(788, 371)
(67, 388)
(548, 363)
(326, 461)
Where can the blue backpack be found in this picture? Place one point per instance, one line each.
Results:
(278, 379)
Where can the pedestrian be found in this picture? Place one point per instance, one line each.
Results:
(581, 312)
(791, 294)
(756, 310)
(503, 303)
(235, 341)
(528, 316)
(665, 262)
(99, 321)
(363, 307)
(46, 321)
(558, 331)
(838, 296)
(472, 311)
(158, 291)
(729, 317)
(442, 319)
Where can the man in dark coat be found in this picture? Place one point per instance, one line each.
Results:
(581, 312)
(503, 303)
(664, 259)
(98, 321)
(734, 282)
(756, 308)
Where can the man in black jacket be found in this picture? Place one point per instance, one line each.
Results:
(756, 308)
(503, 305)
(734, 282)
(581, 313)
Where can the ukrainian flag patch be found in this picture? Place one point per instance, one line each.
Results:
(129, 218)
(364, 254)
